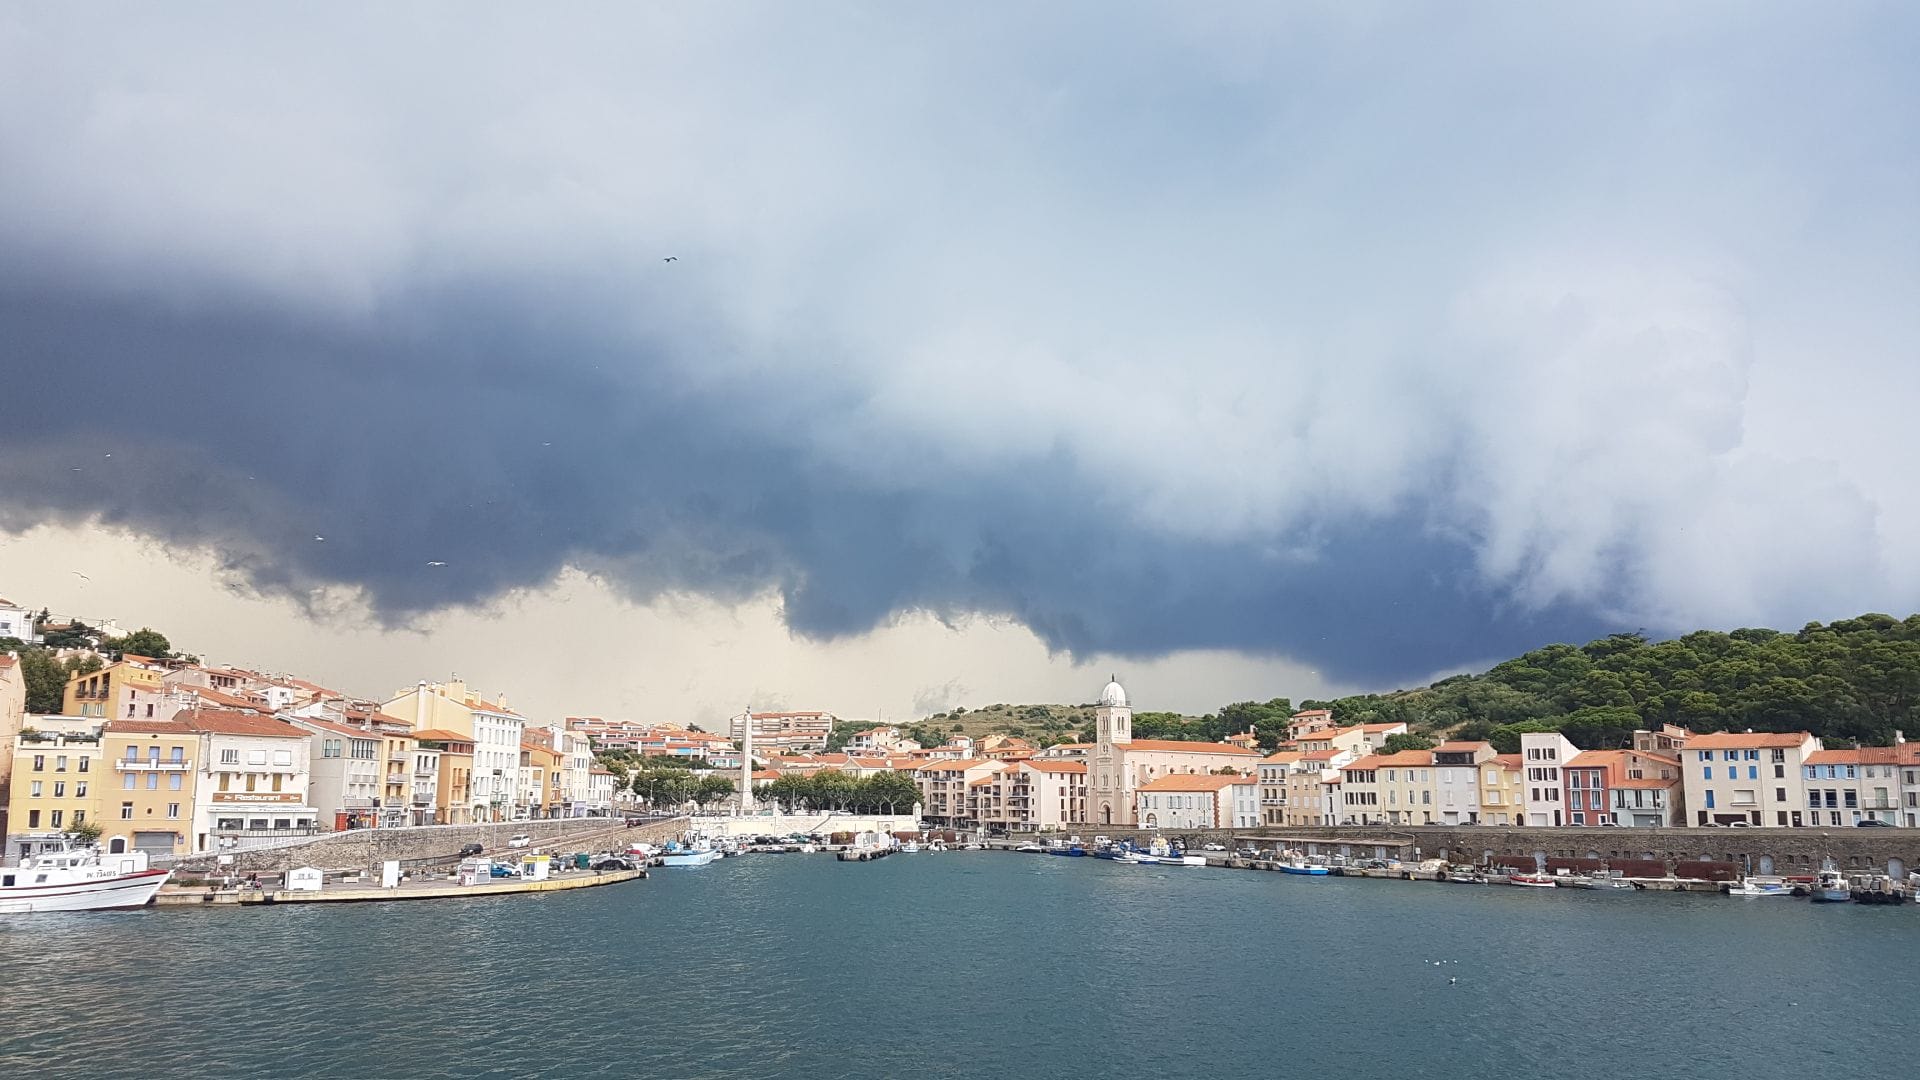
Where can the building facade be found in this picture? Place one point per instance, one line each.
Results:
(1748, 778)
(252, 782)
(148, 804)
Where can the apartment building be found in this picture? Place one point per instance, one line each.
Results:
(1748, 778)
(253, 776)
(148, 802)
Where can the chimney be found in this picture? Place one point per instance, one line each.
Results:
(1899, 738)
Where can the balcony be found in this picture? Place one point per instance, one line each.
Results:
(123, 765)
(399, 759)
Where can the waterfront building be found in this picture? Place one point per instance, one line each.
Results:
(344, 772)
(1313, 787)
(1602, 783)
(453, 802)
(56, 782)
(600, 790)
(1273, 771)
(1909, 781)
(1748, 778)
(885, 740)
(1388, 789)
(18, 623)
(943, 788)
(1068, 751)
(1122, 764)
(147, 800)
(1647, 802)
(1027, 795)
(1198, 801)
(496, 730)
(128, 688)
(1502, 793)
(1456, 770)
(13, 714)
(1545, 754)
(1846, 787)
(252, 779)
(537, 765)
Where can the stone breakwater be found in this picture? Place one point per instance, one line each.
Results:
(363, 848)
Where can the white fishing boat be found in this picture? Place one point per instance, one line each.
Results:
(699, 854)
(79, 879)
(1832, 886)
(911, 847)
(1761, 886)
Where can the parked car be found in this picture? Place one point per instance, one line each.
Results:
(613, 864)
(521, 840)
(502, 870)
(1869, 823)
(471, 849)
(1213, 847)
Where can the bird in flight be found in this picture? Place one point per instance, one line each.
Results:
(81, 576)
(670, 258)
(319, 538)
(434, 562)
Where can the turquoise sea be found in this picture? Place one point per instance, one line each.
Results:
(971, 964)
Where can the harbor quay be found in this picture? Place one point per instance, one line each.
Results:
(368, 848)
(1892, 852)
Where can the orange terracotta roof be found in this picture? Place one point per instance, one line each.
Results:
(219, 722)
(219, 697)
(1403, 759)
(981, 782)
(1194, 782)
(1282, 757)
(1865, 755)
(441, 735)
(146, 727)
(1593, 759)
(1736, 740)
(1508, 761)
(1312, 712)
(1041, 765)
(955, 765)
(1456, 746)
(1177, 746)
(1375, 729)
(338, 729)
(1643, 782)
(1322, 755)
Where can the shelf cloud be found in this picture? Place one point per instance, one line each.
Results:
(1385, 342)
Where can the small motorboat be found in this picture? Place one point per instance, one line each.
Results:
(1301, 866)
(1532, 881)
(1831, 887)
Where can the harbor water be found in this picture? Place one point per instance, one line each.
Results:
(964, 965)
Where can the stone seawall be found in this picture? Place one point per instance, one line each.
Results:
(1776, 851)
(363, 849)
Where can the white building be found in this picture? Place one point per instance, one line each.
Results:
(1748, 778)
(344, 770)
(1456, 767)
(1198, 801)
(1122, 765)
(17, 622)
(496, 761)
(1543, 754)
(254, 775)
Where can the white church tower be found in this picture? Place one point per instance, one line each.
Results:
(1113, 720)
(1109, 794)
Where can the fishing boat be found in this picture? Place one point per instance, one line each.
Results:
(1032, 848)
(911, 847)
(76, 879)
(1752, 886)
(1301, 866)
(1531, 881)
(698, 854)
(1831, 887)
(1599, 881)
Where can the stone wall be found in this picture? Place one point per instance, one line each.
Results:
(364, 849)
(1782, 851)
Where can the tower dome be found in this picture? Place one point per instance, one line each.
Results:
(1114, 694)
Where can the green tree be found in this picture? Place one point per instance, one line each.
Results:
(1397, 743)
(142, 642)
(46, 680)
(84, 832)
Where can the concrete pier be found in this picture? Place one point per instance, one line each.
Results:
(413, 890)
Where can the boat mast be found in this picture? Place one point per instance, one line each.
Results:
(746, 764)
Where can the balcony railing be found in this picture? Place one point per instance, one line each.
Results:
(124, 765)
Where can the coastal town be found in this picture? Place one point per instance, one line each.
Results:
(172, 758)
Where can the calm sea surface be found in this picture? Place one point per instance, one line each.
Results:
(971, 964)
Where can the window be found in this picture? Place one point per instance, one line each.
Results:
(1779, 772)
(1707, 772)
(80, 789)
(60, 763)
(133, 754)
(283, 757)
(38, 790)
(84, 762)
(1732, 755)
(256, 757)
(173, 781)
(1779, 794)
(1779, 755)
(33, 819)
(173, 810)
(79, 818)
(127, 780)
(1709, 798)
(177, 754)
(1706, 755)
(1850, 771)
(39, 762)
(1753, 772)
(59, 789)
(53, 819)
(153, 781)
(229, 757)
(126, 811)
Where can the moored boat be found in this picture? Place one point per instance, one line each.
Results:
(1764, 885)
(1300, 866)
(1531, 881)
(1831, 887)
(77, 879)
(699, 854)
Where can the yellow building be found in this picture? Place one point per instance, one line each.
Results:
(128, 689)
(452, 804)
(1502, 801)
(57, 784)
(148, 804)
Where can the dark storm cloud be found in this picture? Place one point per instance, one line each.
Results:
(1384, 344)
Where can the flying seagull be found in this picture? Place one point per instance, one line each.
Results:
(81, 576)
(431, 562)
(670, 258)
(319, 537)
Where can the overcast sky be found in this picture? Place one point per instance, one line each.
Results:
(1260, 350)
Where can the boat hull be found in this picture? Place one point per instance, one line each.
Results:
(688, 858)
(1306, 871)
(104, 894)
